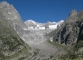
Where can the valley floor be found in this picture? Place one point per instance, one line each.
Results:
(40, 47)
(45, 50)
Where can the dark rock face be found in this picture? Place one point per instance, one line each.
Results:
(71, 31)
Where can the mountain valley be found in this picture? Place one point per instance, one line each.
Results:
(31, 40)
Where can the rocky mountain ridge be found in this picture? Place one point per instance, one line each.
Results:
(70, 34)
(42, 26)
(12, 16)
(71, 30)
(11, 45)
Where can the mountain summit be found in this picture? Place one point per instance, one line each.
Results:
(73, 13)
(71, 30)
(9, 13)
(42, 26)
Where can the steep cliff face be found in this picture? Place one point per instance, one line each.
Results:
(11, 45)
(71, 31)
(9, 13)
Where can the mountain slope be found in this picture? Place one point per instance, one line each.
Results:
(71, 30)
(70, 34)
(9, 13)
(12, 47)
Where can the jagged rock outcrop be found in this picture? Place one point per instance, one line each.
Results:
(71, 30)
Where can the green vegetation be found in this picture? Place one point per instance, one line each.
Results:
(11, 45)
(22, 58)
(70, 59)
(79, 45)
(58, 45)
(76, 53)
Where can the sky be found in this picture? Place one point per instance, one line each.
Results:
(45, 10)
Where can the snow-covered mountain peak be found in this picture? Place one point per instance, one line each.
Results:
(32, 25)
(51, 22)
(30, 21)
(61, 21)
